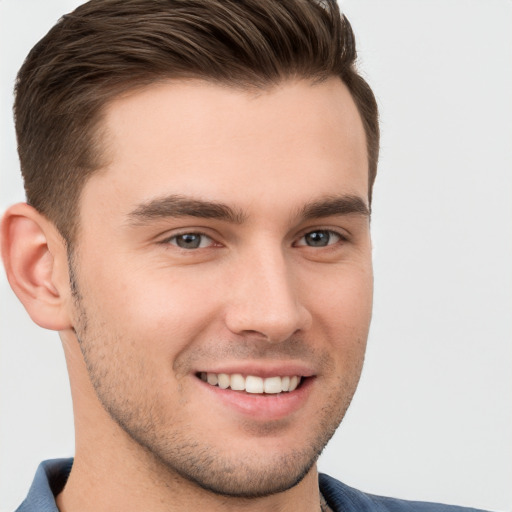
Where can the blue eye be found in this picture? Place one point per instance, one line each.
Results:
(190, 241)
(319, 238)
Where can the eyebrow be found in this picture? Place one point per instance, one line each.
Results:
(175, 206)
(183, 206)
(335, 205)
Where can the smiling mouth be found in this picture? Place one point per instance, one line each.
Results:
(252, 384)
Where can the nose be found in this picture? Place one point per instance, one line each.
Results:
(265, 298)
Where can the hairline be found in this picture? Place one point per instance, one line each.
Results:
(99, 135)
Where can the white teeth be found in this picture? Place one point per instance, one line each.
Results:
(254, 384)
(272, 385)
(251, 383)
(224, 380)
(237, 382)
(294, 382)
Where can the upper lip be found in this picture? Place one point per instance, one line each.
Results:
(264, 370)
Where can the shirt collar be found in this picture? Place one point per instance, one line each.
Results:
(50, 478)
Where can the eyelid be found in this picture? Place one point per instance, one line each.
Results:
(343, 236)
(168, 239)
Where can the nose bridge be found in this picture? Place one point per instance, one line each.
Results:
(266, 298)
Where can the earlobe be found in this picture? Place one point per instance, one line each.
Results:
(35, 261)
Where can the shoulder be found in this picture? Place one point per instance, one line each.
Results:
(341, 497)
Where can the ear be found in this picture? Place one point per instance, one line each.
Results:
(35, 260)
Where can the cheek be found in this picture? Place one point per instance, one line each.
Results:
(343, 296)
(155, 309)
(343, 313)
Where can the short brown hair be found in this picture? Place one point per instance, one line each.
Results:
(106, 47)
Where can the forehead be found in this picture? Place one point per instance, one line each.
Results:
(294, 141)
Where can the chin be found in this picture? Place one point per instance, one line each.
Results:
(259, 470)
(244, 479)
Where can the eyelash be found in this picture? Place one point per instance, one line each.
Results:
(330, 232)
(169, 240)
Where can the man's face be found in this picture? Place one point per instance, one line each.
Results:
(227, 240)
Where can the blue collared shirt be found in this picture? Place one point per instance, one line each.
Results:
(51, 476)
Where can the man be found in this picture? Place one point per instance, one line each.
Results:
(199, 180)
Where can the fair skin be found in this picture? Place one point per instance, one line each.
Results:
(228, 233)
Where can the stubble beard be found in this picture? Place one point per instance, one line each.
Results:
(166, 447)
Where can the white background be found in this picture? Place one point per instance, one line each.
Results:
(432, 419)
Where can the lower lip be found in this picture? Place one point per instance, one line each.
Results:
(262, 407)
